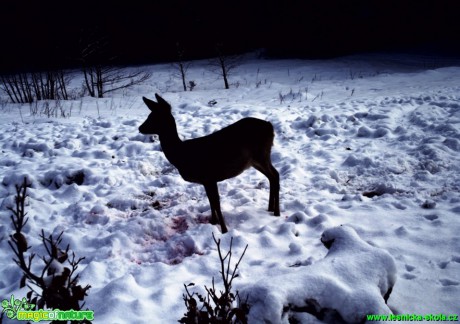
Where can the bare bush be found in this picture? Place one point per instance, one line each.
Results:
(30, 87)
(100, 80)
(191, 85)
(101, 75)
(224, 64)
(182, 68)
(56, 287)
(17, 87)
(217, 307)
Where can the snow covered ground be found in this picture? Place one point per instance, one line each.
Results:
(371, 142)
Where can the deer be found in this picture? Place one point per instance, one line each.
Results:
(221, 155)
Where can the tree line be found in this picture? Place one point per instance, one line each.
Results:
(101, 75)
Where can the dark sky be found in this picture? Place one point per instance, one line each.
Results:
(44, 34)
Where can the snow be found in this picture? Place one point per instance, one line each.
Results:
(357, 274)
(367, 148)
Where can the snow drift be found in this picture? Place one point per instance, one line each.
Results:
(353, 280)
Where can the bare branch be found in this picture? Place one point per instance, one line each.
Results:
(223, 310)
(224, 64)
(61, 291)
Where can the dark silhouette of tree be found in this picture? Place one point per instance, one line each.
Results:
(224, 64)
(182, 67)
(101, 74)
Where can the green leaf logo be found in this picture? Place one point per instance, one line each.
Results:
(8, 307)
(5, 303)
(12, 306)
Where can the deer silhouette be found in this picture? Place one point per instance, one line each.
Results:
(221, 155)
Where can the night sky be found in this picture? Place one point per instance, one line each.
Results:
(52, 34)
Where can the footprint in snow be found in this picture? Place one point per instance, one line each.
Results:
(409, 276)
(443, 264)
(434, 219)
(449, 282)
(399, 206)
(318, 220)
(401, 231)
(431, 217)
(409, 268)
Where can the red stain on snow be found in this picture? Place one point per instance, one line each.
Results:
(179, 224)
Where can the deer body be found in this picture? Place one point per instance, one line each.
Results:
(218, 156)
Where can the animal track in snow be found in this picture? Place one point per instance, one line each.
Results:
(409, 268)
(409, 276)
(444, 264)
(431, 217)
(449, 282)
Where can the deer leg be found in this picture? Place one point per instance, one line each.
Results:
(213, 220)
(212, 191)
(274, 179)
(275, 191)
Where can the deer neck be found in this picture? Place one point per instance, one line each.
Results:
(170, 141)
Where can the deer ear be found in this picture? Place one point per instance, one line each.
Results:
(160, 100)
(163, 103)
(150, 103)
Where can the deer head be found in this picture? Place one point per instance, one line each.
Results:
(159, 116)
